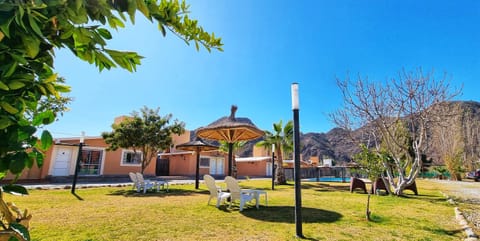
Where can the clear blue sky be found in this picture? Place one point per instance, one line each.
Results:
(268, 45)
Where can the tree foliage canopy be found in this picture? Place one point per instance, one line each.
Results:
(146, 131)
(31, 31)
(282, 139)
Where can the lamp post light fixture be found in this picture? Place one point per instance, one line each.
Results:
(77, 163)
(273, 166)
(296, 151)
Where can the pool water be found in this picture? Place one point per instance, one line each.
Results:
(328, 179)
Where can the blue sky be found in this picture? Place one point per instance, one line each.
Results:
(268, 45)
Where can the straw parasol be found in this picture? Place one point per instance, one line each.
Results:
(230, 129)
(197, 146)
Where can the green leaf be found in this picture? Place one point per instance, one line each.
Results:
(162, 29)
(18, 163)
(22, 230)
(8, 108)
(62, 88)
(46, 140)
(25, 132)
(143, 8)
(5, 122)
(15, 189)
(34, 25)
(18, 58)
(51, 78)
(3, 86)
(11, 69)
(45, 118)
(104, 33)
(32, 156)
(15, 85)
(5, 25)
(32, 45)
(78, 4)
(40, 158)
(132, 9)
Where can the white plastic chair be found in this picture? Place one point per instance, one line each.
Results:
(244, 195)
(215, 191)
(133, 177)
(145, 184)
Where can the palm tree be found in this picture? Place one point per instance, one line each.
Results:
(236, 146)
(282, 138)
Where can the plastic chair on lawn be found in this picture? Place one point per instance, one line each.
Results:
(244, 195)
(215, 191)
(145, 184)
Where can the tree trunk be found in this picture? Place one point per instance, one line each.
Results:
(280, 176)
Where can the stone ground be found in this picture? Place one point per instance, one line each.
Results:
(467, 193)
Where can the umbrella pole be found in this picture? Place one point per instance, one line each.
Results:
(230, 157)
(197, 170)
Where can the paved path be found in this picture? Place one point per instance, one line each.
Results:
(464, 190)
(102, 184)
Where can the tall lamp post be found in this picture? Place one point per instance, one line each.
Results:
(296, 151)
(77, 163)
(273, 166)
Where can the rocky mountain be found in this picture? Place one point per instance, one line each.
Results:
(460, 128)
(462, 123)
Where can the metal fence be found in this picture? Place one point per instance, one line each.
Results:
(317, 172)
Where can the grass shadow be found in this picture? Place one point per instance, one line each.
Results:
(286, 214)
(425, 197)
(171, 192)
(441, 231)
(332, 188)
(77, 196)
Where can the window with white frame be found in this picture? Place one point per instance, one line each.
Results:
(90, 162)
(204, 162)
(131, 158)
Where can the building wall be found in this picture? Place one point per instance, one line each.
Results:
(182, 165)
(111, 160)
(185, 164)
(254, 168)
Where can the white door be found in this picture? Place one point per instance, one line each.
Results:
(269, 169)
(62, 161)
(216, 166)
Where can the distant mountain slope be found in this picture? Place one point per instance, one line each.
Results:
(464, 118)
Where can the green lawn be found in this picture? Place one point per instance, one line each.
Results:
(330, 212)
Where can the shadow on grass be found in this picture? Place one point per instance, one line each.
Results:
(171, 192)
(286, 214)
(77, 196)
(331, 188)
(425, 197)
(440, 231)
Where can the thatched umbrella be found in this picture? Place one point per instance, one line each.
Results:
(197, 146)
(230, 129)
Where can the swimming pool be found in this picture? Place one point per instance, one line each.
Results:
(328, 179)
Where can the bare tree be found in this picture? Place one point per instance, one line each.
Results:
(472, 140)
(395, 116)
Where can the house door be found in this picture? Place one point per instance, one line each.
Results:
(162, 167)
(62, 162)
(269, 169)
(216, 166)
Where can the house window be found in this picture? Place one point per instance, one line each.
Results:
(90, 162)
(204, 162)
(131, 158)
